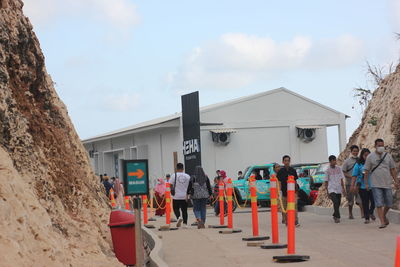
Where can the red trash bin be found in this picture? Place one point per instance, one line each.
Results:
(122, 226)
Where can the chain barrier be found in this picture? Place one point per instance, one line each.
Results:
(237, 202)
(278, 185)
(158, 205)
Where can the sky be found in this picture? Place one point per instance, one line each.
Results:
(121, 62)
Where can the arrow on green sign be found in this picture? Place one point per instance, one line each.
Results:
(139, 173)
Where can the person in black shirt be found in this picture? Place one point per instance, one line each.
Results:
(282, 176)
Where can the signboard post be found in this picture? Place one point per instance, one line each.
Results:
(136, 183)
(191, 131)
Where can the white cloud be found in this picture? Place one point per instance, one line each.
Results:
(395, 16)
(121, 102)
(236, 60)
(120, 14)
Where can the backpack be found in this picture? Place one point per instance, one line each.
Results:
(199, 191)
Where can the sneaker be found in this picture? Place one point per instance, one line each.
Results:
(373, 217)
(366, 221)
(179, 223)
(185, 226)
(337, 220)
(351, 217)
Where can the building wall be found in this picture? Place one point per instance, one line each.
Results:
(265, 131)
(251, 146)
(155, 145)
(247, 147)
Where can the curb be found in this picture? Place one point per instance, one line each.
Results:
(393, 215)
(155, 243)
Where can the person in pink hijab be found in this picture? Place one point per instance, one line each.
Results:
(224, 177)
(159, 194)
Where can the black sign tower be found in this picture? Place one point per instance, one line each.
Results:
(191, 131)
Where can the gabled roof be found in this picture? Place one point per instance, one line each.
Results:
(145, 125)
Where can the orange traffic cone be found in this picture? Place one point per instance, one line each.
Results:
(397, 260)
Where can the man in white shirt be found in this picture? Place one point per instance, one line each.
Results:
(335, 186)
(180, 182)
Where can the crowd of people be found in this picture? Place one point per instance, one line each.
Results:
(117, 187)
(365, 179)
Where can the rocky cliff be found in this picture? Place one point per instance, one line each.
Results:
(53, 209)
(381, 119)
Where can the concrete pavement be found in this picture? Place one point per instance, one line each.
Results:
(349, 243)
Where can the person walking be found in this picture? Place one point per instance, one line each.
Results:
(179, 183)
(159, 195)
(276, 168)
(283, 175)
(348, 167)
(167, 177)
(107, 185)
(335, 186)
(381, 169)
(119, 192)
(359, 182)
(200, 190)
(224, 179)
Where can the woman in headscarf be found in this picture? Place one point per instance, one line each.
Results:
(200, 190)
(119, 192)
(159, 194)
(224, 179)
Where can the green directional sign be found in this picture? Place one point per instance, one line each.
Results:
(136, 177)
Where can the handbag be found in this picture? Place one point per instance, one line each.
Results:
(173, 187)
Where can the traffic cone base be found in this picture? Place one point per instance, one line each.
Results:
(218, 226)
(255, 244)
(232, 231)
(167, 228)
(255, 238)
(274, 246)
(291, 258)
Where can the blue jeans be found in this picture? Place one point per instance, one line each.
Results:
(200, 208)
(383, 197)
(216, 207)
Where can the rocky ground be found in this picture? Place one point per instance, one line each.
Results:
(381, 119)
(53, 210)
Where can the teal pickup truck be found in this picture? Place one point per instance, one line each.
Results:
(319, 176)
(263, 172)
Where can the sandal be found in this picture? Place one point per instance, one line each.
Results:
(386, 221)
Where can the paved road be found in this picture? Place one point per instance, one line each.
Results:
(350, 243)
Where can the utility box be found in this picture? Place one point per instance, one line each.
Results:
(122, 226)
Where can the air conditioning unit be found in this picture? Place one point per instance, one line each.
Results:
(307, 134)
(221, 137)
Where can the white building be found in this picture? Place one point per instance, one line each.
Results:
(256, 129)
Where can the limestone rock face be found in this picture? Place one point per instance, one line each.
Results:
(381, 119)
(53, 211)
